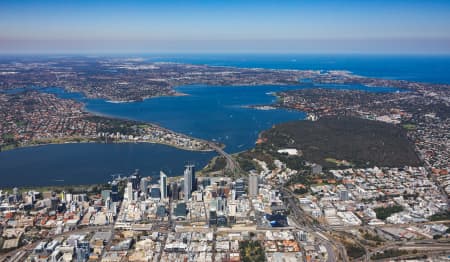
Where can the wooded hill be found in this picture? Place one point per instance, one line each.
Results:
(358, 141)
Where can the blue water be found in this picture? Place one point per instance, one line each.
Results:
(75, 164)
(213, 113)
(422, 68)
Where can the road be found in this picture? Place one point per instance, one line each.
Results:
(425, 246)
(232, 165)
(318, 230)
(24, 250)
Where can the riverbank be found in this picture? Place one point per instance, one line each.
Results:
(87, 141)
(51, 119)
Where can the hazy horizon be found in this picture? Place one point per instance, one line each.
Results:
(293, 27)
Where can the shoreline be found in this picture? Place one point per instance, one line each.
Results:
(176, 94)
(97, 142)
(73, 140)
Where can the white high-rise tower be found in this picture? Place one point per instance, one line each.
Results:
(163, 185)
(252, 185)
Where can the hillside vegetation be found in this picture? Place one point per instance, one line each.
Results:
(358, 141)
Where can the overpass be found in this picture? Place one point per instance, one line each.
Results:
(231, 165)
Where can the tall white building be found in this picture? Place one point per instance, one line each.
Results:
(253, 185)
(163, 185)
(189, 176)
(145, 181)
(129, 193)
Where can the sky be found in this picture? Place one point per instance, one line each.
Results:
(229, 26)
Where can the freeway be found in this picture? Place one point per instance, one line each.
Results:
(318, 230)
(351, 227)
(419, 246)
(232, 165)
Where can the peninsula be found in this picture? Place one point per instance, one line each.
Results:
(35, 118)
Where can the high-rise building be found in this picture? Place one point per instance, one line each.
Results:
(239, 187)
(114, 192)
(145, 181)
(129, 192)
(163, 184)
(253, 185)
(189, 177)
(135, 179)
(194, 179)
(155, 193)
(174, 191)
(232, 208)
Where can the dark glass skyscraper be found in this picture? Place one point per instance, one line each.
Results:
(135, 179)
(114, 192)
(239, 187)
(190, 183)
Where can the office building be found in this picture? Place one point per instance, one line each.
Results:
(129, 192)
(155, 192)
(194, 179)
(239, 188)
(174, 191)
(189, 177)
(114, 192)
(253, 185)
(135, 179)
(163, 184)
(145, 181)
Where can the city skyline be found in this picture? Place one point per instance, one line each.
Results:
(231, 27)
(257, 131)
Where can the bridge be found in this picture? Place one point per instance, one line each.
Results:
(231, 165)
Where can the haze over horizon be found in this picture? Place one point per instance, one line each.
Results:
(324, 26)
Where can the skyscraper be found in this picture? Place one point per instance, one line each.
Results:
(163, 184)
(189, 177)
(194, 179)
(129, 193)
(174, 191)
(135, 179)
(114, 192)
(239, 187)
(253, 185)
(145, 181)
